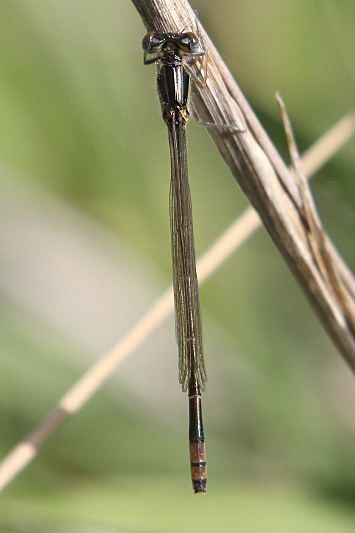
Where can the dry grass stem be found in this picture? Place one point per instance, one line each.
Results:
(81, 392)
(262, 174)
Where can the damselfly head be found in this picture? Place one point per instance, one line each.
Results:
(155, 44)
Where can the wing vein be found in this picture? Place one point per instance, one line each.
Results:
(186, 296)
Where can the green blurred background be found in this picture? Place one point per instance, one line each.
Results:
(85, 249)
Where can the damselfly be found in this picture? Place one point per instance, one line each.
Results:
(169, 51)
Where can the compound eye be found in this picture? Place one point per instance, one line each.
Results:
(193, 40)
(155, 39)
(189, 41)
(186, 40)
(146, 41)
(151, 41)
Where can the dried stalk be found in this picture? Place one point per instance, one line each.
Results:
(231, 239)
(322, 255)
(263, 176)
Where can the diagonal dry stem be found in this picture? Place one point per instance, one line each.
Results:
(262, 174)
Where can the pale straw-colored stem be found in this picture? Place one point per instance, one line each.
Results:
(231, 239)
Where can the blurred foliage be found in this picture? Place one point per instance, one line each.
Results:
(80, 122)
